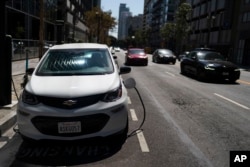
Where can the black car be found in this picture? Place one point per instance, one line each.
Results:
(184, 54)
(209, 64)
(163, 56)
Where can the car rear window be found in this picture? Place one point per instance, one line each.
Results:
(210, 56)
(136, 51)
(165, 51)
(76, 62)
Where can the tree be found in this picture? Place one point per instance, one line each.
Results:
(169, 33)
(99, 24)
(179, 30)
(182, 26)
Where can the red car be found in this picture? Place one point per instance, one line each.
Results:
(136, 56)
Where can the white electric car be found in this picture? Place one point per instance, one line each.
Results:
(75, 92)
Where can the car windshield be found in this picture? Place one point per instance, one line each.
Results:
(165, 51)
(76, 62)
(210, 56)
(136, 51)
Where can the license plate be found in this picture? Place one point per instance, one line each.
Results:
(225, 73)
(69, 127)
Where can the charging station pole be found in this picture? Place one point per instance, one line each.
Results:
(5, 60)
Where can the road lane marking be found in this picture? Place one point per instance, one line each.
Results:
(129, 101)
(194, 150)
(142, 141)
(169, 73)
(133, 115)
(244, 82)
(234, 102)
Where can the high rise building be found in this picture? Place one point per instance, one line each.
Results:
(223, 25)
(156, 14)
(124, 13)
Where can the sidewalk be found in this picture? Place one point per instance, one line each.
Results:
(8, 113)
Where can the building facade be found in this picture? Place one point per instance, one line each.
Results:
(156, 14)
(124, 13)
(223, 25)
(63, 22)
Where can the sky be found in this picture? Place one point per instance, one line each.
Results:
(135, 7)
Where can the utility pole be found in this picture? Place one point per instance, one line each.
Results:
(41, 31)
(5, 60)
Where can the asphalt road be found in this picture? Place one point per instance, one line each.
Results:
(188, 123)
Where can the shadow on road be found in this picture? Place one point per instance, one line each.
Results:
(58, 153)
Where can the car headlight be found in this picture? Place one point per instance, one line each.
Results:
(29, 98)
(113, 95)
(209, 67)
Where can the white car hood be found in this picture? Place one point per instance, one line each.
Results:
(72, 86)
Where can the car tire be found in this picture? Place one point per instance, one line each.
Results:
(200, 75)
(183, 72)
(156, 60)
(232, 80)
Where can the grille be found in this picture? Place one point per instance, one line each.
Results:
(66, 103)
(89, 124)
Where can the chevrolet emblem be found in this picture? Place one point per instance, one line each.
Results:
(69, 102)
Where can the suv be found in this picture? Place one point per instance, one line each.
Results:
(75, 92)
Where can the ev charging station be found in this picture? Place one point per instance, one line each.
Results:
(5, 60)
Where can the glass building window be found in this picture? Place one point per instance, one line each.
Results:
(246, 17)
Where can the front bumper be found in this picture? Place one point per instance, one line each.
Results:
(222, 74)
(98, 120)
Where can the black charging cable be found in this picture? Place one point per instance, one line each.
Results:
(139, 129)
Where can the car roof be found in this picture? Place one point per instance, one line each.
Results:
(136, 49)
(80, 46)
(204, 49)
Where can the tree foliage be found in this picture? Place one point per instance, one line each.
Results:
(179, 29)
(99, 24)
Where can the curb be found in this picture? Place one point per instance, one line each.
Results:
(8, 121)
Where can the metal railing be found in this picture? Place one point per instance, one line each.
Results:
(23, 48)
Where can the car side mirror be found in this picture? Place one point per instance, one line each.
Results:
(29, 71)
(129, 83)
(26, 76)
(124, 70)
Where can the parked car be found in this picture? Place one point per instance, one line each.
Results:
(75, 92)
(184, 54)
(117, 49)
(209, 65)
(136, 56)
(163, 56)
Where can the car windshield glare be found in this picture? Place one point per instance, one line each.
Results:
(210, 56)
(76, 62)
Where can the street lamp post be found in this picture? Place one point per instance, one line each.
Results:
(98, 26)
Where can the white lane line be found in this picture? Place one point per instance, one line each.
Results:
(169, 73)
(234, 102)
(129, 101)
(133, 115)
(142, 141)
